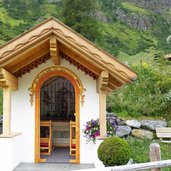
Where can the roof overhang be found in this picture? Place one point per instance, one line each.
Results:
(52, 39)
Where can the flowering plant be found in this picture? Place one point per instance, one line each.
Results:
(112, 124)
(92, 130)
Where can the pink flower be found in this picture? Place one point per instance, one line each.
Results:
(97, 134)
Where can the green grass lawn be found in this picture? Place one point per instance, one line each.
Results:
(140, 150)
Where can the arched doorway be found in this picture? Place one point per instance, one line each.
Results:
(41, 80)
(57, 105)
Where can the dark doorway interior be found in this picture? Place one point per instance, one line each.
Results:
(57, 104)
(57, 100)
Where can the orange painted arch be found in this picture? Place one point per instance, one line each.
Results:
(35, 89)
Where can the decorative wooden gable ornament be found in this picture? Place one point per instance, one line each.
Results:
(52, 39)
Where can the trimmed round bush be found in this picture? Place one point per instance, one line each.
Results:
(114, 151)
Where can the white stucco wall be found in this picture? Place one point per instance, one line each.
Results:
(10, 152)
(22, 113)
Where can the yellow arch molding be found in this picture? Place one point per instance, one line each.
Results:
(63, 70)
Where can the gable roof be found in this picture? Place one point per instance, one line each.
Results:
(34, 47)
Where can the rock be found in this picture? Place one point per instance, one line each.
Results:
(113, 116)
(133, 123)
(100, 16)
(110, 115)
(135, 20)
(144, 134)
(122, 131)
(153, 124)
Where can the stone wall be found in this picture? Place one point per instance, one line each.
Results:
(137, 128)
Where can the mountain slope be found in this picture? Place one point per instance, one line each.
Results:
(128, 26)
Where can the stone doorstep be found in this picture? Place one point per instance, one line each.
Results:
(52, 167)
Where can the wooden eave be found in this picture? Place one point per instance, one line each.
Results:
(37, 42)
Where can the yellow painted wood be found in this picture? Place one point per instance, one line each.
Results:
(79, 57)
(102, 111)
(78, 91)
(102, 81)
(54, 50)
(102, 87)
(48, 140)
(6, 111)
(72, 138)
(28, 58)
(8, 80)
(37, 127)
(24, 45)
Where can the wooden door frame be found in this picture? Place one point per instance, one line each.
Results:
(35, 89)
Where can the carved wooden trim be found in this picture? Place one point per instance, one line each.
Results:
(102, 88)
(50, 27)
(102, 81)
(20, 45)
(78, 65)
(8, 80)
(43, 59)
(61, 71)
(32, 65)
(95, 55)
(54, 50)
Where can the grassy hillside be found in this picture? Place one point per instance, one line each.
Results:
(132, 7)
(119, 37)
(126, 28)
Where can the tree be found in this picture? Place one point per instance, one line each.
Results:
(79, 15)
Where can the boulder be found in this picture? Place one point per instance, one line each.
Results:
(123, 131)
(133, 123)
(144, 134)
(152, 124)
(109, 115)
(113, 116)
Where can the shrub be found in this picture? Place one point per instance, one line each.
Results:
(114, 151)
(151, 92)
